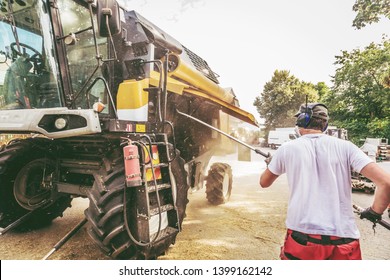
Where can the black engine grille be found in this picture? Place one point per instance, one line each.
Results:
(201, 65)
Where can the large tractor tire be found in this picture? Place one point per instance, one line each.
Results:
(26, 174)
(106, 216)
(219, 183)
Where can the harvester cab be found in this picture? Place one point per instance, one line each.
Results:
(113, 109)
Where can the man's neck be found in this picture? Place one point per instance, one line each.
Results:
(304, 131)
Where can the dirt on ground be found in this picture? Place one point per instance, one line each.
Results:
(249, 227)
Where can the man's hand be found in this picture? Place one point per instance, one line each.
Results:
(268, 159)
(370, 215)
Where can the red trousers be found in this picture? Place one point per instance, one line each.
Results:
(295, 248)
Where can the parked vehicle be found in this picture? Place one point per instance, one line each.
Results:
(337, 132)
(278, 137)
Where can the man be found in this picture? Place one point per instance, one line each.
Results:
(320, 220)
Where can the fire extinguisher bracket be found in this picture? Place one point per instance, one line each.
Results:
(132, 157)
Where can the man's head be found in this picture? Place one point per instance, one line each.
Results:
(313, 116)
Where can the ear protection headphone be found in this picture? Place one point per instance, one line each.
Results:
(304, 118)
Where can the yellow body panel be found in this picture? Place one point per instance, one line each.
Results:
(188, 74)
(180, 88)
(131, 94)
(228, 108)
(172, 84)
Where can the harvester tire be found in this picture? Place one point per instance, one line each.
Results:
(105, 213)
(21, 165)
(219, 183)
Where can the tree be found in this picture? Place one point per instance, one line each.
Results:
(361, 97)
(322, 89)
(370, 11)
(281, 98)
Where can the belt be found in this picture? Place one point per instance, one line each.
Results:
(303, 238)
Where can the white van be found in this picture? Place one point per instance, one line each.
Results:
(278, 137)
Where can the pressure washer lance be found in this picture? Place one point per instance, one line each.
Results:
(257, 151)
(381, 222)
(65, 238)
(18, 221)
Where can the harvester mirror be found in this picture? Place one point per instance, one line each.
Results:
(108, 17)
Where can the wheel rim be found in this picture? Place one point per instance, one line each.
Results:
(33, 185)
(225, 185)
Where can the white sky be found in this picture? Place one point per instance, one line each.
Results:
(245, 41)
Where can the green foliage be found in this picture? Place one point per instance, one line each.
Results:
(322, 89)
(370, 11)
(360, 98)
(281, 98)
(380, 127)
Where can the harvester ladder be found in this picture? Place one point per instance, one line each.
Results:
(157, 215)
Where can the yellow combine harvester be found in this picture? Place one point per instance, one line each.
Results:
(122, 114)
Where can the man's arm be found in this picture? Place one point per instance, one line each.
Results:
(381, 179)
(267, 178)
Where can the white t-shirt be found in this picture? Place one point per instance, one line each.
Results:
(318, 169)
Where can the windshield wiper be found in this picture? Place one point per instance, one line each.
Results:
(74, 33)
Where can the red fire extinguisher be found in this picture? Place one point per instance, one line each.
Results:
(132, 165)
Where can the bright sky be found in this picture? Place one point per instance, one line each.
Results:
(245, 41)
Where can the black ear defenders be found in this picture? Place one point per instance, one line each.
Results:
(306, 115)
(303, 119)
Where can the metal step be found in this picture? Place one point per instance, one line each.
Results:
(152, 188)
(164, 208)
(164, 233)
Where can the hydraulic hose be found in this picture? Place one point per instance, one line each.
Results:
(141, 144)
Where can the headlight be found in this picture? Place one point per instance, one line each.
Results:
(60, 123)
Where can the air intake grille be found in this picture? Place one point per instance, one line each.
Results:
(201, 65)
